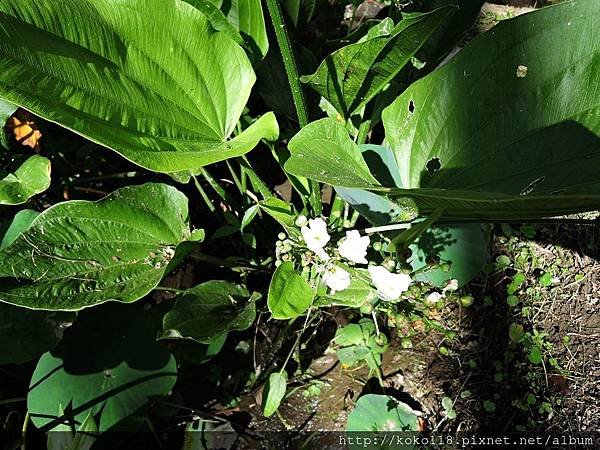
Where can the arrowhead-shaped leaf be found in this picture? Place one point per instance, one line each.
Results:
(108, 363)
(80, 253)
(274, 392)
(511, 125)
(151, 80)
(353, 75)
(204, 312)
(290, 295)
(508, 129)
(323, 151)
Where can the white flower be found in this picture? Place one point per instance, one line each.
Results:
(389, 285)
(451, 286)
(354, 247)
(336, 279)
(316, 237)
(433, 298)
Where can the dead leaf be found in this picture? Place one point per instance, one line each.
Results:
(25, 132)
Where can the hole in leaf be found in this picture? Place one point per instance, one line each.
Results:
(531, 186)
(411, 107)
(433, 165)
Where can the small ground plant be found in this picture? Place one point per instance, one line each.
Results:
(227, 191)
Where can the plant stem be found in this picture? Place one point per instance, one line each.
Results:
(225, 263)
(202, 192)
(255, 180)
(8, 401)
(168, 289)
(219, 190)
(235, 178)
(363, 130)
(396, 226)
(291, 69)
(24, 431)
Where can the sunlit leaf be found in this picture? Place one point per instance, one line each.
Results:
(353, 75)
(29, 179)
(151, 80)
(80, 253)
(290, 295)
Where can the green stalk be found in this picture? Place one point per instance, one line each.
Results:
(363, 130)
(219, 190)
(203, 194)
(255, 180)
(291, 69)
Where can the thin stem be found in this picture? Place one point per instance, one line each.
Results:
(255, 180)
(337, 208)
(396, 226)
(168, 289)
(363, 131)
(219, 190)
(235, 178)
(24, 431)
(225, 263)
(291, 69)
(296, 342)
(203, 195)
(8, 401)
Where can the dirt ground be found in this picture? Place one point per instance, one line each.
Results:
(568, 311)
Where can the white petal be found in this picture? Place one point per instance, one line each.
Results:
(336, 279)
(354, 247)
(389, 285)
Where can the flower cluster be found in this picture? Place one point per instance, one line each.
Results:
(351, 249)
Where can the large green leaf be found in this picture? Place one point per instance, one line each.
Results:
(513, 121)
(108, 363)
(512, 143)
(151, 80)
(207, 311)
(25, 334)
(353, 75)
(80, 253)
(29, 179)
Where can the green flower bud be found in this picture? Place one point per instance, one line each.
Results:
(366, 308)
(466, 300)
